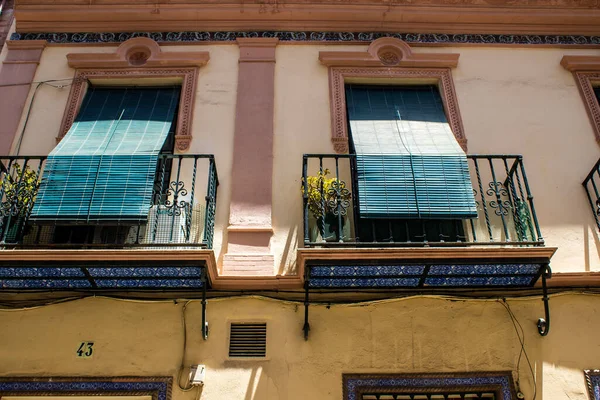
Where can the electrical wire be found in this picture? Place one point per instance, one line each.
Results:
(31, 83)
(25, 305)
(29, 106)
(182, 365)
(521, 337)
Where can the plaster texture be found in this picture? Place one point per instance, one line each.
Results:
(395, 336)
(512, 101)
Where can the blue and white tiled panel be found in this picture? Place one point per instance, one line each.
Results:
(105, 277)
(28, 386)
(409, 276)
(503, 382)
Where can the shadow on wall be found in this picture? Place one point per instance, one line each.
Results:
(587, 228)
(287, 265)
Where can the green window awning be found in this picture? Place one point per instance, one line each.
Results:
(408, 162)
(104, 167)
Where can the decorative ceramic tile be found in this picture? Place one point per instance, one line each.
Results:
(104, 277)
(443, 275)
(353, 382)
(485, 269)
(299, 36)
(480, 281)
(62, 386)
(363, 283)
(366, 270)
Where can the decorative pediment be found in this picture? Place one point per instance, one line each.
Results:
(138, 53)
(388, 52)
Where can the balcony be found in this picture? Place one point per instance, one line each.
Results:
(591, 183)
(499, 248)
(181, 213)
(41, 255)
(505, 209)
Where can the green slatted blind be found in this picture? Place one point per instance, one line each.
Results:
(408, 162)
(104, 167)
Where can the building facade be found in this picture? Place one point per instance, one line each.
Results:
(300, 200)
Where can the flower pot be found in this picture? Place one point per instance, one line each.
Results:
(325, 229)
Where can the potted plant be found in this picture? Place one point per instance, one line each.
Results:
(19, 188)
(326, 198)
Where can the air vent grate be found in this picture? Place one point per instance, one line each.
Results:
(248, 340)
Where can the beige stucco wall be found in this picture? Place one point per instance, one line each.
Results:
(512, 100)
(397, 336)
(212, 126)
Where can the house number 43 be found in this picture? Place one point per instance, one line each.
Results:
(85, 350)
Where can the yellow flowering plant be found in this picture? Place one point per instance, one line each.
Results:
(319, 206)
(20, 188)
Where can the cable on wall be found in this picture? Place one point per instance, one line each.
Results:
(29, 106)
(187, 387)
(521, 336)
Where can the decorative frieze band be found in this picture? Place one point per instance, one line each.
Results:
(302, 36)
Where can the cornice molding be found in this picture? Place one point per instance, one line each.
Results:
(257, 49)
(502, 17)
(388, 52)
(581, 63)
(541, 254)
(139, 53)
(574, 279)
(26, 44)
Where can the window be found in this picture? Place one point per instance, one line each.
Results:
(412, 175)
(426, 386)
(105, 167)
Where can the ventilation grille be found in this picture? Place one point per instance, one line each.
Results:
(248, 340)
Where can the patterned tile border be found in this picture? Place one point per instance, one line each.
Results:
(158, 387)
(355, 385)
(592, 379)
(301, 36)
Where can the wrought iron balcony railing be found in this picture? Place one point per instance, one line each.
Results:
(505, 209)
(181, 213)
(591, 183)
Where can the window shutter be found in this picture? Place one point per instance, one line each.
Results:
(104, 167)
(408, 162)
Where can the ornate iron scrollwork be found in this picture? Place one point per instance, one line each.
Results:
(338, 198)
(176, 189)
(501, 207)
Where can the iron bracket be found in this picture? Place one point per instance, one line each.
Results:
(306, 327)
(204, 322)
(543, 324)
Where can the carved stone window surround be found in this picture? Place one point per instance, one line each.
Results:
(586, 71)
(138, 61)
(389, 60)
